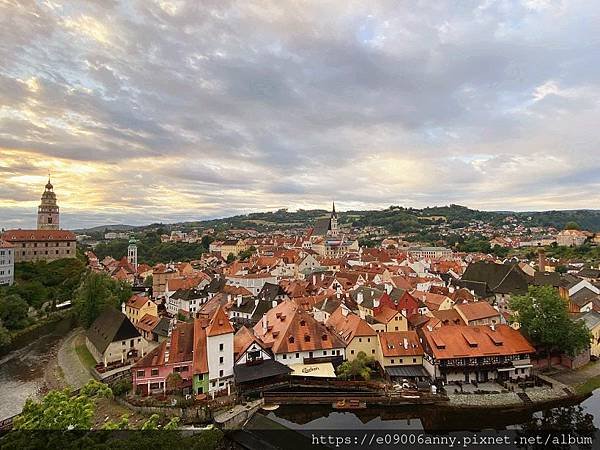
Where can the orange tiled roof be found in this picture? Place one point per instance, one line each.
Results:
(147, 323)
(219, 324)
(137, 301)
(462, 341)
(291, 329)
(384, 314)
(200, 346)
(400, 343)
(37, 235)
(477, 310)
(349, 326)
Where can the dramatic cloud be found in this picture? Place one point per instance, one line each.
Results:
(149, 111)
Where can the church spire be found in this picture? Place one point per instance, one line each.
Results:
(333, 213)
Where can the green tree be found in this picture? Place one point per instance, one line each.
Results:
(230, 258)
(98, 291)
(572, 226)
(173, 381)
(5, 338)
(148, 281)
(13, 312)
(59, 410)
(358, 368)
(246, 254)
(544, 319)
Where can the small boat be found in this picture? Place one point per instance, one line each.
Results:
(349, 404)
(270, 407)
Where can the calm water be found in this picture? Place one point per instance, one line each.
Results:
(428, 418)
(22, 373)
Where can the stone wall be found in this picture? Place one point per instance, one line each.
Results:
(201, 414)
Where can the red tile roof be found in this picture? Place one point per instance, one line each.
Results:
(219, 324)
(291, 329)
(349, 326)
(200, 346)
(400, 343)
(477, 310)
(463, 341)
(137, 301)
(38, 235)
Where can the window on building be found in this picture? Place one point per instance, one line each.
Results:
(220, 360)
(220, 373)
(221, 347)
(297, 355)
(284, 356)
(392, 361)
(141, 373)
(352, 352)
(154, 372)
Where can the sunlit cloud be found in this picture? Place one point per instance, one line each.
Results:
(169, 110)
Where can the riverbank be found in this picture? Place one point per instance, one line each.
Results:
(58, 323)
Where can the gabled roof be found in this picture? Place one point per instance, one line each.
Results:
(348, 326)
(499, 278)
(290, 329)
(110, 326)
(137, 301)
(219, 323)
(476, 310)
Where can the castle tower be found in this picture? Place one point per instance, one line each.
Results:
(48, 214)
(132, 254)
(333, 223)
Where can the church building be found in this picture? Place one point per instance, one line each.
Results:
(48, 242)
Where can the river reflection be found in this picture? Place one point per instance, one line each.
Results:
(581, 417)
(22, 373)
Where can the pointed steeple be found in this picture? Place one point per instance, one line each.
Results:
(333, 213)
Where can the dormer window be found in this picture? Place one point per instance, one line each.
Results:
(307, 338)
(291, 339)
(302, 322)
(324, 337)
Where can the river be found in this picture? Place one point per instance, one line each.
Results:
(22, 372)
(586, 413)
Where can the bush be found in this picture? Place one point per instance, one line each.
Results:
(121, 387)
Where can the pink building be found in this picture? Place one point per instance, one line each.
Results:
(174, 355)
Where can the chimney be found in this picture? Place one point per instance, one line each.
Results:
(256, 302)
(405, 344)
(345, 311)
(376, 303)
(314, 279)
(359, 297)
(123, 307)
(541, 260)
(322, 276)
(264, 323)
(388, 288)
(238, 301)
(361, 313)
(493, 326)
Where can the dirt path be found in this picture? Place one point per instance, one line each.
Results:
(74, 373)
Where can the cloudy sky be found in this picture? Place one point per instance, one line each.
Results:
(148, 111)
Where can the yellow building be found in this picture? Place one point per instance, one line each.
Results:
(592, 322)
(137, 307)
(388, 319)
(401, 355)
(355, 332)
